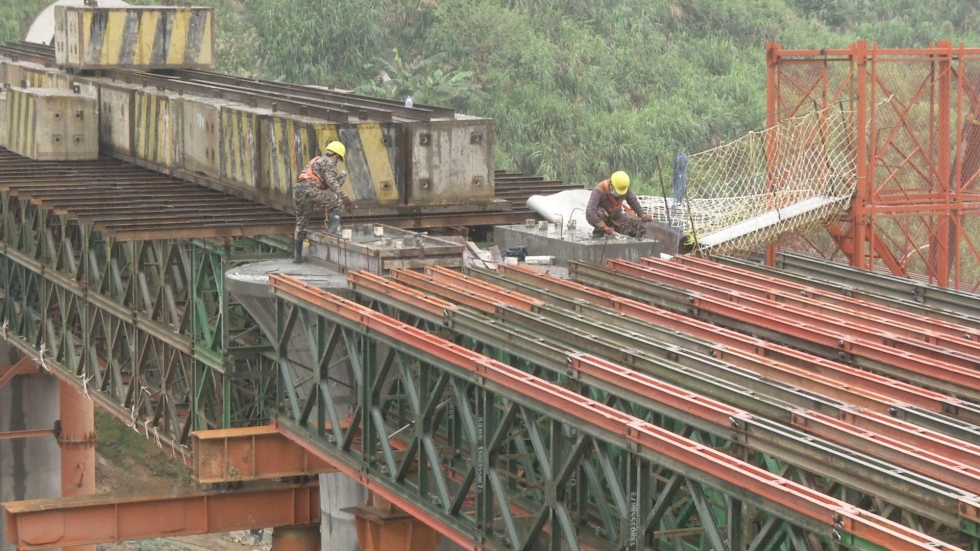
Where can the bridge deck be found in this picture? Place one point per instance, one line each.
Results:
(129, 202)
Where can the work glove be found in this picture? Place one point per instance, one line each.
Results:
(341, 177)
(646, 218)
(345, 200)
(607, 229)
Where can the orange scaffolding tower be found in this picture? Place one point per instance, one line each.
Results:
(916, 118)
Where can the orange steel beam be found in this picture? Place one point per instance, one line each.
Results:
(25, 434)
(922, 328)
(916, 334)
(25, 366)
(932, 464)
(90, 520)
(451, 292)
(495, 292)
(367, 280)
(921, 362)
(733, 275)
(251, 453)
(639, 435)
(739, 349)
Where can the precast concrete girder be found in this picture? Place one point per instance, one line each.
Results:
(95, 519)
(494, 456)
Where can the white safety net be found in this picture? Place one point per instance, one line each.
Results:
(744, 194)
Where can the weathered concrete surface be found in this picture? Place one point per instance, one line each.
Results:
(30, 468)
(574, 245)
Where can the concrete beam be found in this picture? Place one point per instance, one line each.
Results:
(94, 519)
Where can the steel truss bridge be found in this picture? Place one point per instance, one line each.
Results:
(680, 405)
(522, 411)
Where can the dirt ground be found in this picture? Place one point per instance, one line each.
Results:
(129, 464)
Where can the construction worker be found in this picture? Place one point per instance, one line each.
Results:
(605, 209)
(319, 187)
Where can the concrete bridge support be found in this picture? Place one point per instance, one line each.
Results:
(30, 468)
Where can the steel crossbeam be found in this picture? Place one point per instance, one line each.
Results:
(89, 520)
(920, 326)
(250, 453)
(25, 366)
(502, 416)
(826, 329)
(882, 393)
(848, 285)
(765, 318)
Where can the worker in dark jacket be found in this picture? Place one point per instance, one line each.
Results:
(605, 209)
(319, 187)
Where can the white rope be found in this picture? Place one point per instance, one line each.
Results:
(3, 329)
(40, 358)
(85, 386)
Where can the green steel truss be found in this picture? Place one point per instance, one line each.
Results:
(511, 472)
(146, 328)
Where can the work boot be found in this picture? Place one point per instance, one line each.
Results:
(334, 227)
(298, 248)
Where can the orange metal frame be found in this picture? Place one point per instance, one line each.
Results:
(250, 453)
(89, 520)
(916, 119)
(25, 366)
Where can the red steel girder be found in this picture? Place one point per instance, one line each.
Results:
(921, 437)
(921, 328)
(367, 280)
(250, 453)
(501, 295)
(612, 423)
(932, 464)
(920, 362)
(408, 278)
(736, 276)
(827, 377)
(94, 519)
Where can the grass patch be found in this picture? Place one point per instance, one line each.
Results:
(125, 448)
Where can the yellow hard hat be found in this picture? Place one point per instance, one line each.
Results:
(338, 148)
(620, 182)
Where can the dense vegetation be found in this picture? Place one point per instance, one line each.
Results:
(577, 88)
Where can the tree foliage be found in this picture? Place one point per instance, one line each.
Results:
(577, 88)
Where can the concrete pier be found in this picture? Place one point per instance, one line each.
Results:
(30, 468)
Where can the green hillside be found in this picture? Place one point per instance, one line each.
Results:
(577, 88)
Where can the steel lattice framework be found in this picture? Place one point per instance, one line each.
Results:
(916, 120)
(145, 327)
(499, 430)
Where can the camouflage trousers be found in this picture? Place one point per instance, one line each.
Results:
(308, 197)
(621, 221)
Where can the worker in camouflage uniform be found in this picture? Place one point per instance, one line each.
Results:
(605, 208)
(319, 187)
